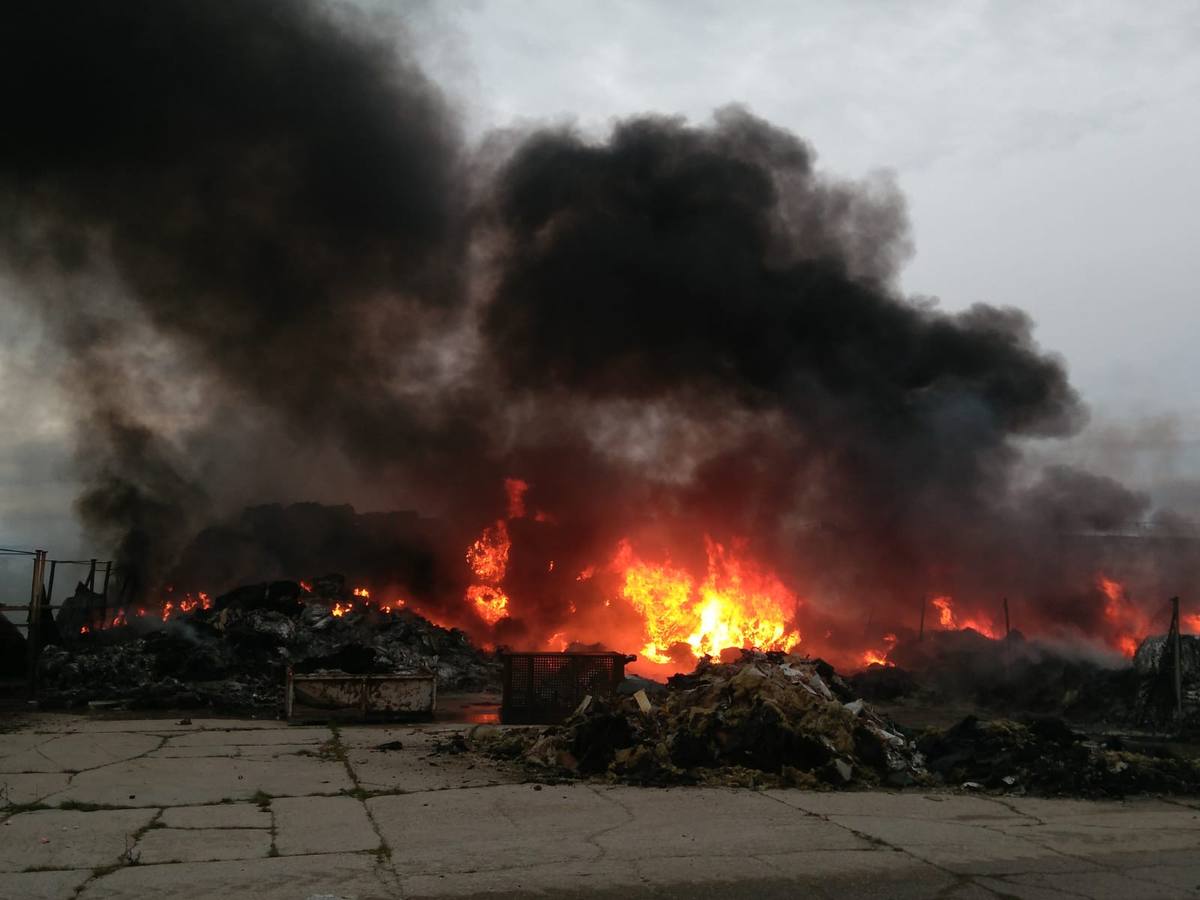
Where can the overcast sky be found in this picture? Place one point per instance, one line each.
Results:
(1048, 152)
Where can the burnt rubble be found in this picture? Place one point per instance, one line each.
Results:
(233, 656)
(770, 719)
(1045, 756)
(763, 719)
(1007, 677)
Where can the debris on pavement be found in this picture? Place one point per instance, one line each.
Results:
(765, 718)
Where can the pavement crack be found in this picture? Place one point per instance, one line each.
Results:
(383, 853)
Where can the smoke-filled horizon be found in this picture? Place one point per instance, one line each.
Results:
(264, 254)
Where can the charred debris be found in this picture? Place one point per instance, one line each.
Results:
(233, 655)
(775, 720)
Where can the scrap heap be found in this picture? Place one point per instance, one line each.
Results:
(759, 719)
(232, 655)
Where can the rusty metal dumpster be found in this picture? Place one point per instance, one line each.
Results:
(545, 688)
(328, 696)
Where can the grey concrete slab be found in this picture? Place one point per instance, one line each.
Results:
(67, 839)
(30, 787)
(237, 737)
(956, 846)
(418, 770)
(1094, 841)
(713, 821)
(16, 741)
(224, 815)
(941, 807)
(282, 878)
(159, 845)
(57, 885)
(172, 782)
(1180, 871)
(50, 723)
(569, 878)
(78, 752)
(322, 825)
(1099, 883)
(169, 752)
(477, 829)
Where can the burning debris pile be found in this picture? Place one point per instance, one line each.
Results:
(231, 653)
(763, 718)
(1008, 676)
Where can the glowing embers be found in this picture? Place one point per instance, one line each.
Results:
(737, 605)
(487, 558)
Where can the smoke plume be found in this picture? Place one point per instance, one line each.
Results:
(255, 228)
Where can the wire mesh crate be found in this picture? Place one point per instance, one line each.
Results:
(545, 688)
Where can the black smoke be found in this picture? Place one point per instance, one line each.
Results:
(255, 228)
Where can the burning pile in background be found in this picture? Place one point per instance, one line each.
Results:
(661, 387)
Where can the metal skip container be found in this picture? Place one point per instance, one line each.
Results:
(339, 695)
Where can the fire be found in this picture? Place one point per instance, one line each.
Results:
(166, 610)
(950, 620)
(339, 610)
(880, 657)
(737, 605)
(488, 559)
(306, 587)
(1129, 622)
(1192, 622)
(945, 607)
(490, 602)
(361, 592)
(488, 555)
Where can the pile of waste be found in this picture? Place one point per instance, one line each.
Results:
(232, 656)
(1047, 757)
(762, 719)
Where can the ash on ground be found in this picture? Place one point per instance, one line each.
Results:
(233, 656)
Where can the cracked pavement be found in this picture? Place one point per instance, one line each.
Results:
(111, 809)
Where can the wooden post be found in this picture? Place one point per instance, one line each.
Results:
(1006, 624)
(921, 630)
(107, 572)
(91, 577)
(1176, 652)
(50, 586)
(34, 622)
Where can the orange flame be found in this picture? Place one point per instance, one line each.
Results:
(1129, 622)
(488, 559)
(488, 555)
(490, 602)
(737, 605)
(945, 608)
(339, 610)
(361, 592)
(880, 657)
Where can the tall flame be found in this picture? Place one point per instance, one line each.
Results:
(737, 605)
(488, 560)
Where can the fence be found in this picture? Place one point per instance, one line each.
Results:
(39, 610)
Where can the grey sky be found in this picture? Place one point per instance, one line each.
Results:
(1048, 152)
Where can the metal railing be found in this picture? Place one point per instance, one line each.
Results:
(41, 598)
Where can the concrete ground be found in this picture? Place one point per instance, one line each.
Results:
(229, 808)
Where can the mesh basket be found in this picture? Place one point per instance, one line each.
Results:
(545, 688)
